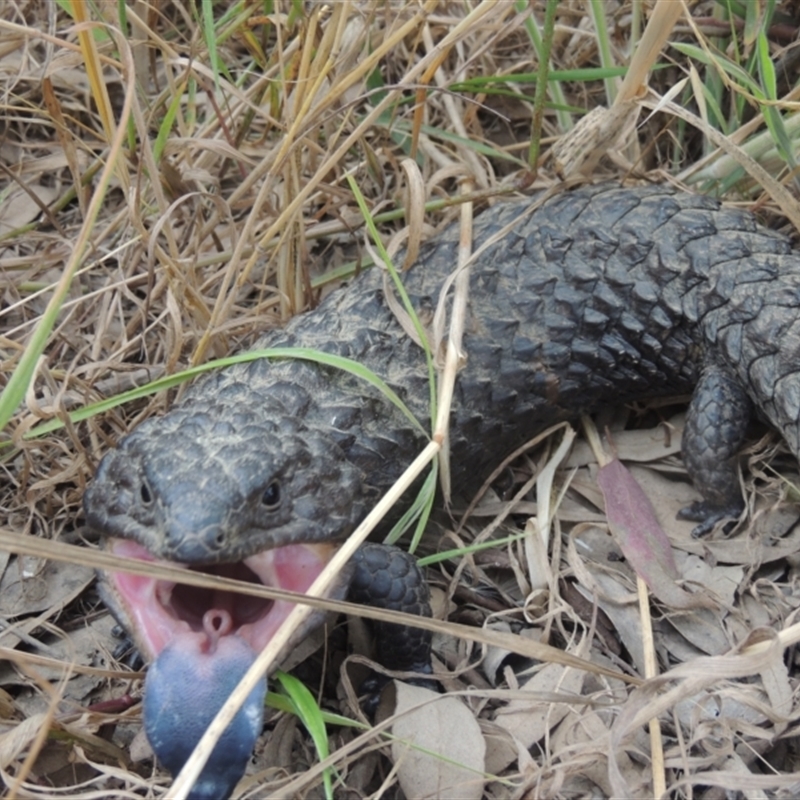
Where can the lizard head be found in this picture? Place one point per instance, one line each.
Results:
(221, 483)
(228, 489)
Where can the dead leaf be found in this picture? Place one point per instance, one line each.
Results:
(20, 208)
(17, 738)
(587, 736)
(528, 720)
(30, 585)
(641, 538)
(641, 445)
(448, 757)
(501, 747)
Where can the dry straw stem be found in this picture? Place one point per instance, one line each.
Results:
(537, 541)
(291, 140)
(46, 722)
(651, 671)
(580, 151)
(454, 357)
(23, 659)
(102, 560)
(23, 372)
(659, 27)
(94, 72)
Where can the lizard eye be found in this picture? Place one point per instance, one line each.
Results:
(271, 498)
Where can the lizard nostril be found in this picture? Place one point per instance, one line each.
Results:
(145, 493)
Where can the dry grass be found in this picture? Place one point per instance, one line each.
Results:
(170, 185)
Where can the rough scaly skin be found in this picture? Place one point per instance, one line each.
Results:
(604, 295)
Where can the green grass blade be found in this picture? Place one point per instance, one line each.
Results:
(210, 36)
(556, 90)
(541, 85)
(739, 74)
(165, 128)
(477, 547)
(604, 50)
(486, 83)
(311, 715)
(401, 290)
(428, 496)
(766, 68)
(281, 702)
(170, 381)
(420, 510)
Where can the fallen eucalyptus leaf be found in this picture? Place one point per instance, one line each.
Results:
(641, 538)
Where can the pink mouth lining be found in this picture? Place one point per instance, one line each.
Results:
(161, 611)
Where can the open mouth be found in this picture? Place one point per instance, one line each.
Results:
(162, 611)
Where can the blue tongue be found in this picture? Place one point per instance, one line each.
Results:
(186, 686)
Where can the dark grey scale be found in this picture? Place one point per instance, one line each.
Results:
(593, 321)
(701, 259)
(687, 377)
(660, 212)
(569, 300)
(645, 295)
(669, 268)
(554, 246)
(721, 296)
(632, 325)
(590, 355)
(538, 284)
(470, 422)
(729, 338)
(556, 355)
(577, 372)
(739, 223)
(593, 245)
(719, 328)
(487, 281)
(633, 250)
(606, 300)
(485, 352)
(623, 351)
(609, 212)
(650, 346)
(691, 229)
(562, 215)
(222, 428)
(762, 369)
(619, 276)
(788, 395)
(524, 349)
(343, 418)
(514, 248)
(694, 299)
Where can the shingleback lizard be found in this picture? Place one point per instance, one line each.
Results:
(603, 295)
